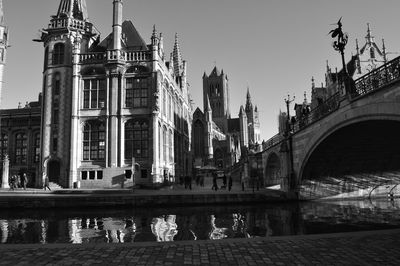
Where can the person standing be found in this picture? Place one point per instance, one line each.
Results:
(215, 185)
(230, 182)
(24, 181)
(46, 183)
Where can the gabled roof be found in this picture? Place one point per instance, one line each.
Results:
(131, 39)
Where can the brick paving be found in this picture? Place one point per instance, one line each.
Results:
(358, 248)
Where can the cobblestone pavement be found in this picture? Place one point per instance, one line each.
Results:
(359, 248)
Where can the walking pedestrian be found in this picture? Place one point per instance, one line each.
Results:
(215, 185)
(46, 183)
(230, 182)
(24, 181)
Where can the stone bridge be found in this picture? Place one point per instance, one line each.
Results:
(349, 146)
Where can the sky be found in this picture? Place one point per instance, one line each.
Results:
(274, 47)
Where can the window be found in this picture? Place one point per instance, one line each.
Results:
(136, 139)
(46, 57)
(171, 137)
(84, 175)
(372, 52)
(143, 173)
(92, 175)
(94, 143)
(58, 54)
(21, 142)
(99, 174)
(94, 93)
(3, 145)
(165, 144)
(37, 148)
(57, 84)
(136, 92)
(164, 104)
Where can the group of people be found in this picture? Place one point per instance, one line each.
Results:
(224, 180)
(18, 181)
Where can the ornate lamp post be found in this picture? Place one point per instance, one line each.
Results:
(288, 101)
(340, 43)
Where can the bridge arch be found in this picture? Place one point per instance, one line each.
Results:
(359, 145)
(365, 110)
(273, 170)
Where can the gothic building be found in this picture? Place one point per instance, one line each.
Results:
(218, 139)
(111, 106)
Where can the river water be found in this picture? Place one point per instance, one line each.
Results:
(195, 223)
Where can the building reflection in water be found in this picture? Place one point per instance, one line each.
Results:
(164, 228)
(197, 223)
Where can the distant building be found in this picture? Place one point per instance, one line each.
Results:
(20, 140)
(218, 139)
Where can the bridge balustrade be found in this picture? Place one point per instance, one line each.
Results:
(378, 78)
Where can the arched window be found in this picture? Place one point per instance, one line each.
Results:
(94, 93)
(171, 146)
(36, 147)
(94, 142)
(3, 145)
(165, 144)
(164, 103)
(159, 142)
(21, 144)
(198, 139)
(58, 54)
(136, 139)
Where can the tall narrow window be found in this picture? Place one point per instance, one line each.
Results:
(21, 144)
(94, 93)
(3, 145)
(46, 57)
(58, 54)
(136, 139)
(171, 146)
(136, 92)
(372, 52)
(165, 144)
(94, 143)
(56, 84)
(164, 104)
(37, 148)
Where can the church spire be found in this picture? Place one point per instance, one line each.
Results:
(177, 57)
(1, 13)
(369, 38)
(73, 8)
(249, 105)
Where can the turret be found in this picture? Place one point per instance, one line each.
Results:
(3, 45)
(117, 24)
(244, 135)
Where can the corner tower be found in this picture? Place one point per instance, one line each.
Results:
(215, 87)
(69, 32)
(3, 45)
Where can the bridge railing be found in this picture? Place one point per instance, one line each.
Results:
(378, 78)
(322, 110)
(278, 138)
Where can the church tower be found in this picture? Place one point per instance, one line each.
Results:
(250, 117)
(69, 33)
(3, 46)
(215, 87)
(370, 56)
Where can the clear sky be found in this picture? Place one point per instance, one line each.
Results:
(272, 46)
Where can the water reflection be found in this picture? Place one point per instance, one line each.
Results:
(139, 225)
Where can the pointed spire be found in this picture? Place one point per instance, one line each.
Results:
(208, 106)
(248, 94)
(384, 51)
(249, 105)
(305, 102)
(1, 13)
(256, 109)
(73, 8)
(241, 111)
(154, 35)
(369, 38)
(177, 57)
(312, 83)
(357, 48)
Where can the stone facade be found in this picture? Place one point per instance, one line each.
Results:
(112, 106)
(218, 139)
